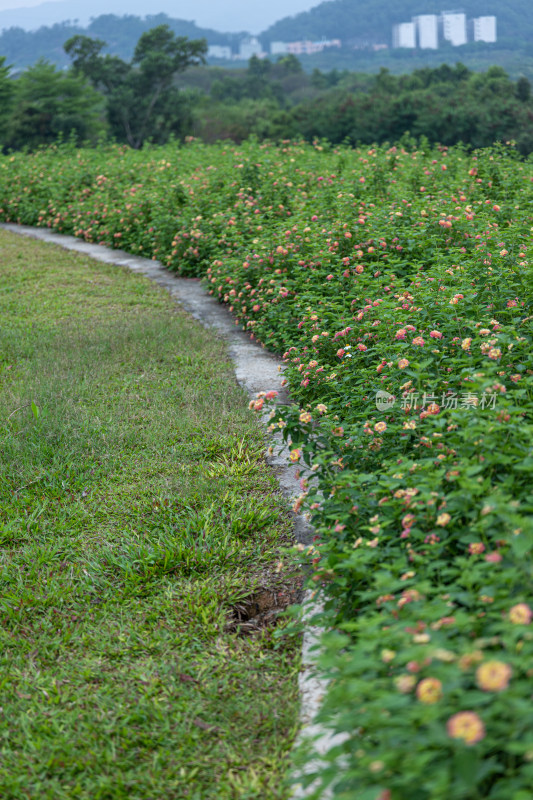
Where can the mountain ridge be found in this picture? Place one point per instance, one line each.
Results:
(359, 25)
(238, 15)
(372, 20)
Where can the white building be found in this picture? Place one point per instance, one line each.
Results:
(404, 35)
(307, 48)
(427, 30)
(331, 43)
(278, 48)
(454, 27)
(218, 51)
(250, 47)
(485, 29)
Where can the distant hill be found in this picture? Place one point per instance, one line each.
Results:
(358, 23)
(370, 21)
(222, 15)
(23, 48)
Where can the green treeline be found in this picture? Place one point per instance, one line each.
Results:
(165, 90)
(101, 95)
(446, 105)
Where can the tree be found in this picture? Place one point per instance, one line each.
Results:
(143, 101)
(523, 89)
(259, 67)
(290, 63)
(49, 103)
(6, 97)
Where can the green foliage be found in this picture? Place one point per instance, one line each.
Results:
(214, 121)
(523, 89)
(404, 271)
(289, 63)
(258, 82)
(47, 104)
(446, 105)
(6, 96)
(161, 94)
(142, 100)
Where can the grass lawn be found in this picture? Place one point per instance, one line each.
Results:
(136, 513)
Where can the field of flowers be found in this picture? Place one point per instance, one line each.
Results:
(398, 284)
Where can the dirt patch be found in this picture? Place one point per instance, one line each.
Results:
(262, 608)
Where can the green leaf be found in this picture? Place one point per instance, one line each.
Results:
(525, 466)
(467, 764)
(522, 544)
(474, 469)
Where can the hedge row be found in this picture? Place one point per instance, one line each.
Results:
(398, 284)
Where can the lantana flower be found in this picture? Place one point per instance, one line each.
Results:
(466, 725)
(520, 614)
(493, 676)
(405, 683)
(429, 691)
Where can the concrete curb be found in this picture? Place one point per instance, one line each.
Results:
(256, 370)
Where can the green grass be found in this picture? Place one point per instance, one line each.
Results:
(136, 511)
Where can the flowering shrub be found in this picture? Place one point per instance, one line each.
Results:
(400, 294)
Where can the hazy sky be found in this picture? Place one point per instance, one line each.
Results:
(229, 15)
